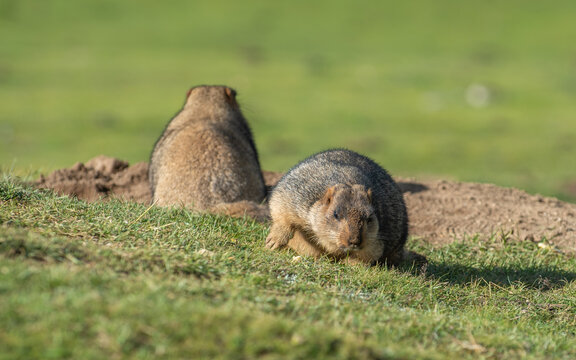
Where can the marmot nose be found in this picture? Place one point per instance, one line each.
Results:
(355, 241)
(351, 237)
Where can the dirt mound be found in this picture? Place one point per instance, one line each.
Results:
(439, 211)
(444, 210)
(100, 178)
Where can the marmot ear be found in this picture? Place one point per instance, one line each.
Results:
(231, 93)
(188, 93)
(231, 96)
(369, 194)
(328, 195)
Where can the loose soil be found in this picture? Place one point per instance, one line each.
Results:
(439, 211)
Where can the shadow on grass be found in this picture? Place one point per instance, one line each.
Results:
(533, 277)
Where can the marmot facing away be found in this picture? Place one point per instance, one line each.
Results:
(206, 155)
(341, 204)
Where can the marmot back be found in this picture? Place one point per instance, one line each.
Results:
(342, 204)
(206, 155)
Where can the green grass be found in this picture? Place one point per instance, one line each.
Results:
(122, 280)
(389, 79)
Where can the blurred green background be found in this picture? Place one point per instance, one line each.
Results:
(469, 90)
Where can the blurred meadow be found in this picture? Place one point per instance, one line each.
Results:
(472, 91)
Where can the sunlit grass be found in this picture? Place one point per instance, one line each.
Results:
(117, 279)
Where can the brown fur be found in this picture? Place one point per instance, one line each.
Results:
(206, 155)
(352, 237)
(240, 209)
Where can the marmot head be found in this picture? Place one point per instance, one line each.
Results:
(211, 97)
(344, 219)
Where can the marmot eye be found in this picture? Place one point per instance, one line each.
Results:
(336, 215)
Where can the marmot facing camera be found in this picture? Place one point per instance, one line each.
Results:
(341, 204)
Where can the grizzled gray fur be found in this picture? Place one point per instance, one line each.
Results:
(341, 204)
